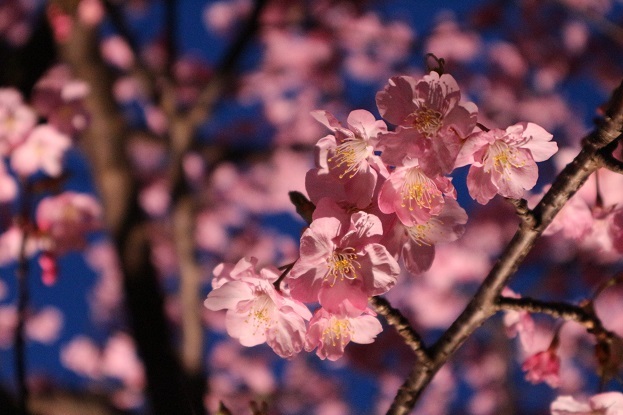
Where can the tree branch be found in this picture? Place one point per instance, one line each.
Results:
(483, 304)
(403, 327)
(584, 315)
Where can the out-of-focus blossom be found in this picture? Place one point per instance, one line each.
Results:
(155, 198)
(107, 294)
(16, 120)
(91, 12)
(45, 326)
(60, 98)
(221, 16)
(82, 356)
(8, 324)
(448, 41)
(10, 243)
(66, 219)
(8, 186)
(117, 52)
(504, 161)
(120, 360)
(519, 323)
(329, 333)
(608, 403)
(543, 367)
(43, 150)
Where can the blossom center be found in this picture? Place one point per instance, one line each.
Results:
(342, 265)
(502, 157)
(427, 121)
(420, 234)
(260, 313)
(418, 190)
(349, 155)
(337, 332)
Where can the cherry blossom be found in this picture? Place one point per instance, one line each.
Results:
(607, 403)
(504, 161)
(431, 106)
(414, 196)
(330, 333)
(543, 367)
(416, 244)
(256, 311)
(346, 159)
(16, 120)
(340, 266)
(519, 323)
(66, 219)
(43, 150)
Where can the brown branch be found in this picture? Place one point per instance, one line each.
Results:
(522, 210)
(483, 304)
(403, 327)
(584, 315)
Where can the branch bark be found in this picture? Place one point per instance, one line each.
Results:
(483, 304)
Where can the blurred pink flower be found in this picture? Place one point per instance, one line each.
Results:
(81, 355)
(117, 52)
(16, 120)
(60, 98)
(45, 326)
(519, 323)
(66, 220)
(120, 360)
(414, 196)
(448, 41)
(43, 150)
(8, 324)
(543, 367)
(607, 403)
(329, 333)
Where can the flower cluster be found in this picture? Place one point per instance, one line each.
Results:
(33, 155)
(381, 196)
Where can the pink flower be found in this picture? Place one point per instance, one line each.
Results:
(504, 161)
(8, 186)
(430, 106)
(414, 196)
(416, 244)
(608, 403)
(543, 367)
(519, 323)
(43, 150)
(330, 333)
(66, 219)
(347, 158)
(340, 266)
(60, 98)
(16, 120)
(256, 311)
